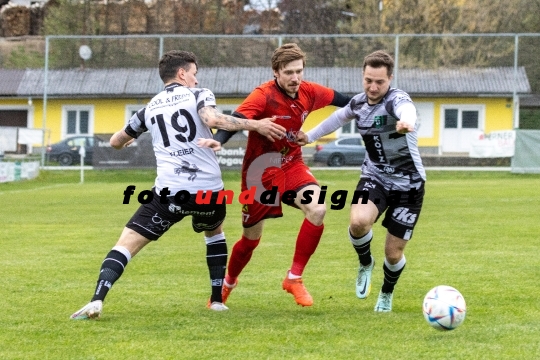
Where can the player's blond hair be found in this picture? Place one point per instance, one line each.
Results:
(285, 54)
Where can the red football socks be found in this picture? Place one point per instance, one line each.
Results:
(306, 243)
(240, 256)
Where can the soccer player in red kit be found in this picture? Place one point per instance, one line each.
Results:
(279, 166)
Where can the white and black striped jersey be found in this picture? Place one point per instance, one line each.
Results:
(173, 121)
(391, 157)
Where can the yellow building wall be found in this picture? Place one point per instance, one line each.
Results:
(14, 102)
(109, 114)
(498, 116)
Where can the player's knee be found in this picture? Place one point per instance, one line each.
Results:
(393, 257)
(359, 229)
(316, 213)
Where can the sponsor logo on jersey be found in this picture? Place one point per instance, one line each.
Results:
(389, 169)
(291, 136)
(378, 149)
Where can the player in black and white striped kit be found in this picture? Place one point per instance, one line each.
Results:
(392, 178)
(179, 119)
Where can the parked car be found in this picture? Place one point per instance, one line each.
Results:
(66, 152)
(343, 151)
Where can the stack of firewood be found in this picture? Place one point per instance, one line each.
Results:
(14, 20)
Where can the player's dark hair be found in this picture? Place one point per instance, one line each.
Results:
(379, 59)
(285, 54)
(173, 60)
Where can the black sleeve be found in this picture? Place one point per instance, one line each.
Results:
(131, 132)
(223, 135)
(340, 100)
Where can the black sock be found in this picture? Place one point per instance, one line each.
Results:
(363, 251)
(111, 269)
(216, 259)
(390, 279)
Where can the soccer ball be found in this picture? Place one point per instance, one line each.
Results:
(444, 308)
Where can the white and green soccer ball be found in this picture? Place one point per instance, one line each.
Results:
(444, 308)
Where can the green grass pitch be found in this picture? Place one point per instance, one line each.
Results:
(478, 232)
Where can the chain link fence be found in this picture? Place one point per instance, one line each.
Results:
(426, 51)
(411, 51)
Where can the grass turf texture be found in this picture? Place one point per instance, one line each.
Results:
(478, 232)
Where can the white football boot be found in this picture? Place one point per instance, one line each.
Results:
(91, 310)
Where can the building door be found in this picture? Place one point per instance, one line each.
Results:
(460, 125)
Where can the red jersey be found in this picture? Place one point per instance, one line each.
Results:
(269, 100)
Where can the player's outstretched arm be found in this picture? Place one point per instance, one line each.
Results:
(403, 127)
(266, 127)
(407, 118)
(121, 139)
(302, 138)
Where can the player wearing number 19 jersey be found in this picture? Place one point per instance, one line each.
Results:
(178, 118)
(393, 176)
(172, 119)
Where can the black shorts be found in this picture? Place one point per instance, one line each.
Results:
(402, 207)
(153, 219)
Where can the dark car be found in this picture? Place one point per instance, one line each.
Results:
(343, 151)
(66, 152)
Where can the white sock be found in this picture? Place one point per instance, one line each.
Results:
(396, 267)
(293, 277)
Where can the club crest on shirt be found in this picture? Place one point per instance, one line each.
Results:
(191, 169)
(380, 121)
(304, 116)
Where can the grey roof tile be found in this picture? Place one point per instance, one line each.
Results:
(241, 81)
(10, 80)
(463, 81)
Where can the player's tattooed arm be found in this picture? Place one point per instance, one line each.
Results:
(266, 127)
(120, 139)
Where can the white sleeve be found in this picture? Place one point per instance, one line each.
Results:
(407, 112)
(329, 125)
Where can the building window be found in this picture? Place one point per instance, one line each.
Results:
(77, 120)
(462, 118)
(469, 119)
(450, 118)
(130, 110)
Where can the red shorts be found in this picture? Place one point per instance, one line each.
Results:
(294, 177)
